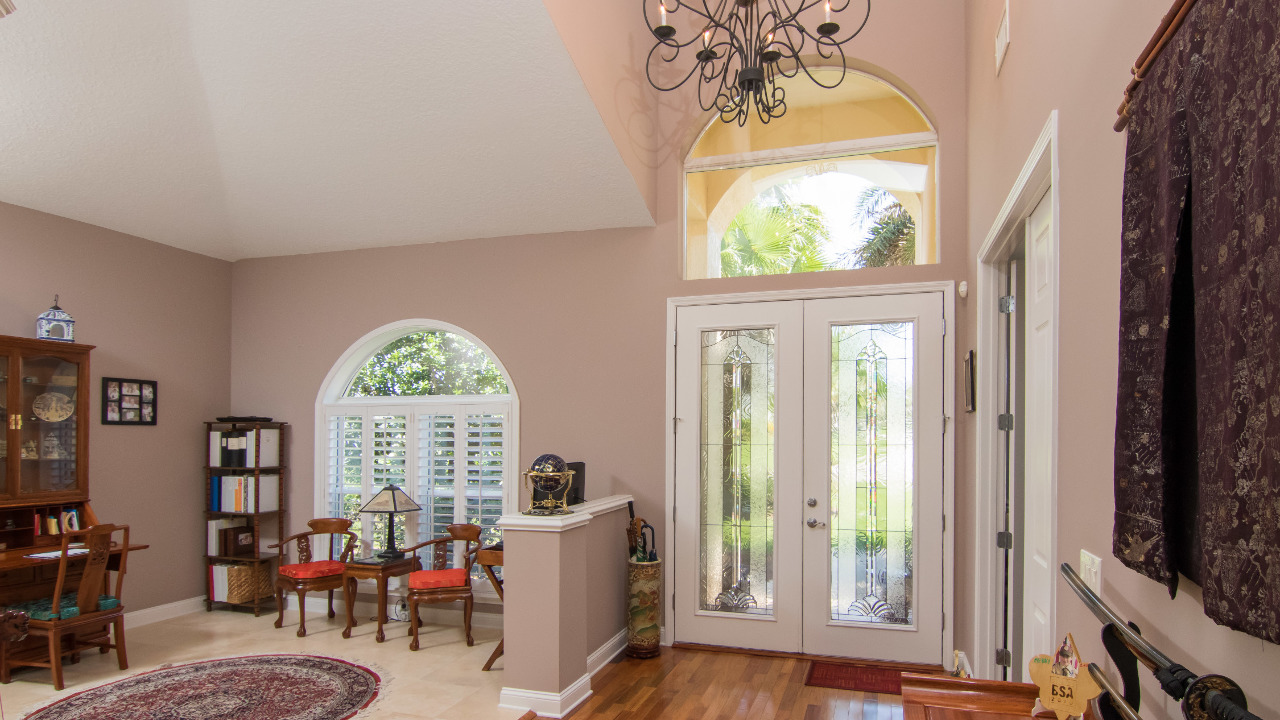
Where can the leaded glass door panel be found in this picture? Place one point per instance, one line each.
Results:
(873, 477)
(738, 475)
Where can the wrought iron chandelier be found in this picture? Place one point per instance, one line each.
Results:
(744, 46)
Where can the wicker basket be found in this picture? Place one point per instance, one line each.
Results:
(244, 580)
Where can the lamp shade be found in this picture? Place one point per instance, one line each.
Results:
(390, 499)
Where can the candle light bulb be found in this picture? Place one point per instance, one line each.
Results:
(828, 10)
(706, 38)
(662, 12)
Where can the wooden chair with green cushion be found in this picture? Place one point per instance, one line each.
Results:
(443, 584)
(76, 620)
(309, 575)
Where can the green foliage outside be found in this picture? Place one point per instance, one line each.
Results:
(891, 239)
(428, 363)
(777, 235)
(774, 235)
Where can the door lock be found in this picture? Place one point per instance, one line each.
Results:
(814, 522)
(811, 502)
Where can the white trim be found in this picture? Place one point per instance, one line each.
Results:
(604, 654)
(358, 353)
(1039, 174)
(547, 704)
(947, 288)
(817, 151)
(168, 611)
(544, 523)
(603, 505)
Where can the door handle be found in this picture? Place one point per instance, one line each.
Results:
(814, 522)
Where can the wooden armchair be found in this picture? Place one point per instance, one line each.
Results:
(309, 575)
(75, 620)
(441, 584)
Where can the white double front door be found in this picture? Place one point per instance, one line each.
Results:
(809, 476)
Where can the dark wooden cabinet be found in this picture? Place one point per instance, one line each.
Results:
(44, 450)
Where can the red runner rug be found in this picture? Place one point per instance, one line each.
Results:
(866, 678)
(258, 687)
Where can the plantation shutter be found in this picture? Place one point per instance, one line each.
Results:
(486, 467)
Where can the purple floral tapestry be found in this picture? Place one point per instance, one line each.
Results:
(1197, 454)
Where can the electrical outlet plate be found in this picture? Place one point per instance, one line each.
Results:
(1091, 570)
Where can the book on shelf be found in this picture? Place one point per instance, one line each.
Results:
(244, 448)
(236, 541)
(236, 493)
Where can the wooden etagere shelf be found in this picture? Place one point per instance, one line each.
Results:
(246, 474)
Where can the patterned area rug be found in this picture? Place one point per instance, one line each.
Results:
(867, 678)
(259, 687)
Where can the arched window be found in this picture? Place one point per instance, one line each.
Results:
(847, 180)
(425, 406)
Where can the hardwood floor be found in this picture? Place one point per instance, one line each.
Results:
(698, 684)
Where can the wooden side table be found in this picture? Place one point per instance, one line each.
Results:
(380, 572)
(489, 558)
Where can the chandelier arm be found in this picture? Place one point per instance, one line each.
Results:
(827, 55)
(648, 69)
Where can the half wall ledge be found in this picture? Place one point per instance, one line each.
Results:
(564, 615)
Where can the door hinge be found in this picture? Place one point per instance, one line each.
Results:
(1008, 304)
(1004, 540)
(673, 425)
(944, 621)
(1004, 421)
(944, 327)
(1004, 658)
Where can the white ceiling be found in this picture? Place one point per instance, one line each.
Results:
(242, 128)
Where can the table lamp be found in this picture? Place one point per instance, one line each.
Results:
(391, 500)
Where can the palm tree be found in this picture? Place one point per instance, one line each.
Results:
(891, 237)
(774, 235)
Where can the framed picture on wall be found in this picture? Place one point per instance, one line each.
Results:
(128, 401)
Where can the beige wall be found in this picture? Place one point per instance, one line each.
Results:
(154, 313)
(1075, 57)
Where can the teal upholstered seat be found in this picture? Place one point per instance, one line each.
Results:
(42, 608)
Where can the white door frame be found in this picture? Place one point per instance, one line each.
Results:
(947, 288)
(1039, 176)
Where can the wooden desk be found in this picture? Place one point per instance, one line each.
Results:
(380, 574)
(488, 559)
(23, 578)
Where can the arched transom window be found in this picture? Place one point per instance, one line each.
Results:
(845, 180)
(428, 409)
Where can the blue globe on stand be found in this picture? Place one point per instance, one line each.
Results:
(548, 463)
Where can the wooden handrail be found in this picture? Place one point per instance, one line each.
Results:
(1168, 28)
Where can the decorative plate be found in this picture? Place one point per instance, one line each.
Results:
(53, 407)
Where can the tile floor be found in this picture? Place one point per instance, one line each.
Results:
(441, 680)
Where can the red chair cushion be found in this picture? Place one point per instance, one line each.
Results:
(320, 568)
(427, 579)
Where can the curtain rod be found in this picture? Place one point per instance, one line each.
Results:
(1168, 28)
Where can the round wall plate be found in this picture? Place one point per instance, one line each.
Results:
(53, 407)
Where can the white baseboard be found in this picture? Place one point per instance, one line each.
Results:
(547, 704)
(319, 603)
(146, 616)
(606, 652)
